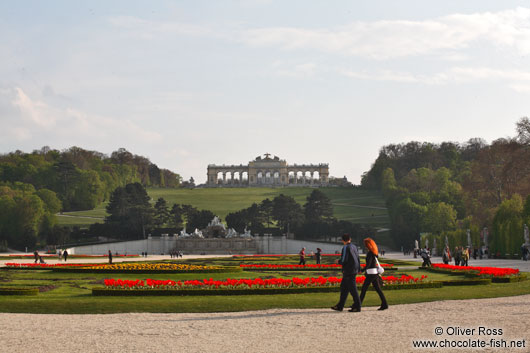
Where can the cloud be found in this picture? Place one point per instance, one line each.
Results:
(299, 70)
(445, 36)
(26, 118)
(516, 79)
(398, 38)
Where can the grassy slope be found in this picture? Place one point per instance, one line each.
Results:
(358, 206)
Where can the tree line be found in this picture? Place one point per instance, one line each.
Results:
(445, 189)
(313, 220)
(133, 216)
(35, 186)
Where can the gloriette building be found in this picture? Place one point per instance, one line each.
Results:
(267, 171)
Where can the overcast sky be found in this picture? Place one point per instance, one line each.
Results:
(188, 83)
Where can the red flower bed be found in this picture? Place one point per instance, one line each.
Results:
(310, 266)
(487, 271)
(245, 283)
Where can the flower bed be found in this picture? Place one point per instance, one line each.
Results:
(248, 283)
(308, 267)
(480, 271)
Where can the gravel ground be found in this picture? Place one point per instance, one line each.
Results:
(317, 330)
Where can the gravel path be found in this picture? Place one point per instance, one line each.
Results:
(307, 330)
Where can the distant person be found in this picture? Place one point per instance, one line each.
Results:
(465, 256)
(524, 252)
(110, 257)
(446, 256)
(372, 275)
(36, 255)
(59, 254)
(351, 265)
(458, 256)
(302, 256)
(426, 258)
(65, 255)
(318, 255)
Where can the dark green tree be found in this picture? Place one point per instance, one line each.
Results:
(175, 216)
(199, 220)
(287, 212)
(130, 211)
(318, 207)
(161, 213)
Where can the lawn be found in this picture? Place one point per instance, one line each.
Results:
(69, 293)
(358, 206)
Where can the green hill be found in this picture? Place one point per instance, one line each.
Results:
(357, 206)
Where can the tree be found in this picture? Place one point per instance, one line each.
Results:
(287, 212)
(440, 217)
(161, 213)
(175, 216)
(507, 235)
(199, 220)
(266, 211)
(130, 211)
(318, 207)
(523, 131)
(50, 199)
(237, 220)
(406, 219)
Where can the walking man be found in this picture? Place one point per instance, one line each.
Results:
(351, 265)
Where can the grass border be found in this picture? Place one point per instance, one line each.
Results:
(19, 291)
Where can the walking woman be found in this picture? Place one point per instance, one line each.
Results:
(372, 277)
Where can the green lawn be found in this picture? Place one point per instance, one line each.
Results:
(358, 206)
(69, 293)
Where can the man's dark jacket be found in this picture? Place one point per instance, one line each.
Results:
(351, 265)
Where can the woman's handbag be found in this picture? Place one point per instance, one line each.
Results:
(375, 271)
(380, 268)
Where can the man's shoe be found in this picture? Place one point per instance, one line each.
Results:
(354, 310)
(383, 307)
(336, 307)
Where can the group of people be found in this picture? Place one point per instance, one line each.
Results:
(175, 254)
(461, 256)
(351, 266)
(60, 254)
(318, 256)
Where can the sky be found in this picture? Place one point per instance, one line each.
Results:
(189, 83)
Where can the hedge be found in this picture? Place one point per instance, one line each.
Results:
(509, 279)
(467, 282)
(19, 291)
(249, 291)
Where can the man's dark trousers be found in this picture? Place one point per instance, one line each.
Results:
(348, 285)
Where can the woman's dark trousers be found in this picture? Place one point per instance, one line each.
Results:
(372, 279)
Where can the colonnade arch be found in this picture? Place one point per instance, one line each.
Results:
(268, 171)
